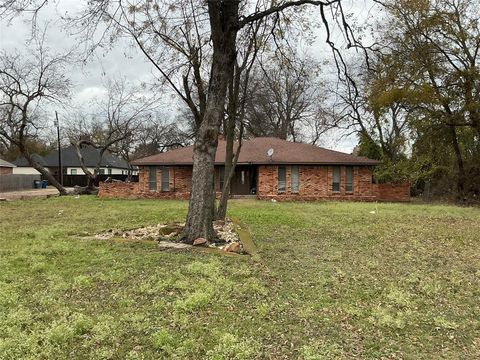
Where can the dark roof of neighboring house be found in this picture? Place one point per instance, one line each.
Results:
(4, 163)
(70, 158)
(22, 162)
(254, 151)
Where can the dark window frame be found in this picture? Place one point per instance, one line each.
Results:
(282, 184)
(349, 187)
(152, 178)
(165, 186)
(336, 185)
(295, 178)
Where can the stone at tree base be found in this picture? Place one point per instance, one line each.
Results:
(199, 241)
(226, 230)
(233, 247)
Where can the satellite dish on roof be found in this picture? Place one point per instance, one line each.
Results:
(270, 152)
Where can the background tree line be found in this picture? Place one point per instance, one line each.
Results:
(415, 105)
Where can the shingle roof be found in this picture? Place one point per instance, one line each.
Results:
(254, 151)
(4, 163)
(22, 162)
(70, 158)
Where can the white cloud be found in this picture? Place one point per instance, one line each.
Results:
(88, 94)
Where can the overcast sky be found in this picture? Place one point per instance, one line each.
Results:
(125, 61)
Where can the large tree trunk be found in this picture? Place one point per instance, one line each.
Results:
(461, 177)
(222, 206)
(230, 139)
(224, 26)
(46, 174)
(90, 188)
(229, 169)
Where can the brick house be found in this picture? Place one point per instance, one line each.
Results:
(267, 168)
(6, 168)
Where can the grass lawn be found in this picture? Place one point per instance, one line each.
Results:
(333, 281)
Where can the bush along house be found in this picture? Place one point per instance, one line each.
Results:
(267, 168)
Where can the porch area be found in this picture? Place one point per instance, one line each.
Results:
(244, 181)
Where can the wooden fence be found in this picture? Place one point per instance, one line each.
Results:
(15, 182)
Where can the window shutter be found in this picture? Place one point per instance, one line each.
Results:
(295, 179)
(282, 178)
(165, 178)
(152, 178)
(349, 179)
(336, 179)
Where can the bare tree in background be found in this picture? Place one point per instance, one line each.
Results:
(159, 135)
(368, 106)
(120, 114)
(28, 81)
(286, 98)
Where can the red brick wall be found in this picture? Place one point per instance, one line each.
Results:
(180, 181)
(180, 178)
(6, 170)
(392, 192)
(315, 183)
(134, 191)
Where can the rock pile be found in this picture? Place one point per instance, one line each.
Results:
(227, 237)
(160, 232)
(229, 241)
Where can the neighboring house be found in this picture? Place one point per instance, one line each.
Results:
(24, 168)
(14, 182)
(268, 168)
(110, 164)
(6, 167)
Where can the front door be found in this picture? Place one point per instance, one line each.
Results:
(243, 180)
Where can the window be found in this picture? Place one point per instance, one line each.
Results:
(282, 178)
(349, 179)
(152, 178)
(109, 171)
(165, 178)
(295, 179)
(101, 171)
(336, 179)
(73, 171)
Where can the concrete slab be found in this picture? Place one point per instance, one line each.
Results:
(29, 194)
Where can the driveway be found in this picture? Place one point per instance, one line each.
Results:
(29, 194)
